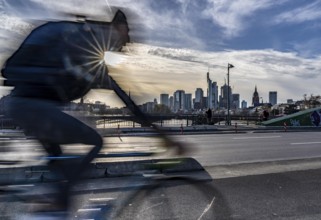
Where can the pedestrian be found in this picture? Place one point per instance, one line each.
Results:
(209, 116)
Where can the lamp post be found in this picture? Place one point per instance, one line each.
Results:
(228, 93)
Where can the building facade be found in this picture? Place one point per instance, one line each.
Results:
(179, 100)
(235, 101)
(255, 98)
(273, 97)
(225, 90)
(188, 102)
(244, 104)
(198, 102)
(212, 93)
(164, 99)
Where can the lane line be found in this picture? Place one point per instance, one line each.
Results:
(306, 143)
(245, 138)
(206, 209)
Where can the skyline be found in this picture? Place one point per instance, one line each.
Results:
(219, 94)
(273, 45)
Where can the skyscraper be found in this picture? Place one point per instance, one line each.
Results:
(235, 101)
(179, 100)
(225, 90)
(164, 99)
(214, 96)
(198, 103)
(273, 97)
(212, 93)
(171, 103)
(188, 101)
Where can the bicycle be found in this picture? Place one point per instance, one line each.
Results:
(147, 189)
(147, 171)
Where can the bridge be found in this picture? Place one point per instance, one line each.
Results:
(191, 119)
(161, 120)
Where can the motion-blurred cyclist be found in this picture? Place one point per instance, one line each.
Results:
(59, 62)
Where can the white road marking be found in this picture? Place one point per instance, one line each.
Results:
(101, 199)
(262, 137)
(89, 210)
(207, 208)
(306, 143)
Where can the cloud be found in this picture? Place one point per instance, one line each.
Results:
(233, 16)
(301, 14)
(151, 70)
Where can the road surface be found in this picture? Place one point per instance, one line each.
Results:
(234, 193)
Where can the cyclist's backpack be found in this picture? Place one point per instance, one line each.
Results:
(62, 61)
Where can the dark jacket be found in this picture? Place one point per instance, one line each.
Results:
(62, 61)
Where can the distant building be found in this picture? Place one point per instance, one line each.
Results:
(188, 101)
(179, 100)
(212, 93)
(289, 101)
(273, 97)
(171, 103)
(198, 101)
(164, 99)
(148, 107)
(255, 98)
(204, 103)
(235, 101)
(244, 104)
(98, 107)
(225, 90)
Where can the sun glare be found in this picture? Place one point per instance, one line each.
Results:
(113, 58)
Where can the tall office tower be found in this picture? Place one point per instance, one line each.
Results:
(164, 99)
(171, 103)
(214, 96)
(225, 90)
(273, 97)
(209, 89)
(235, 101)
(204, 103)
(212, 93)
(198, 103)
(179, 100)
(188, 101)
(244, 104)
(255, 98)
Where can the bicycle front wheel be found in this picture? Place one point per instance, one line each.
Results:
(174, 198)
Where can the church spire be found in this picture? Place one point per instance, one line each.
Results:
(256, 98)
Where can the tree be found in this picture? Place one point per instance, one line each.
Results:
(312, 101)
(162, 109)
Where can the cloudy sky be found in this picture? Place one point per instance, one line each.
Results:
(274, 45)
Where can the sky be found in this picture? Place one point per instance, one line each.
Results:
(274, 45)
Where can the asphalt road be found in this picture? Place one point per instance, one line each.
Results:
(247, 177)
(209, 149)
(253, 147)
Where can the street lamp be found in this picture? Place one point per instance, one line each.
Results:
(228, 93)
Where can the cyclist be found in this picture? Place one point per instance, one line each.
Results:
(59, 62)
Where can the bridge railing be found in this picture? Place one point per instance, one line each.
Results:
(173, 120)
(170, 120)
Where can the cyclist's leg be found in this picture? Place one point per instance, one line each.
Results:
(52, 127)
